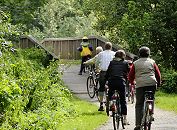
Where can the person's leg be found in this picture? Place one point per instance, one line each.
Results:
(153, 89)
(122, 93)
(101, 90)
(139, 106)
(82, 65)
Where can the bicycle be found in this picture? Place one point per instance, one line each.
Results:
(131, 96)
(115, 107)
(148, 111)
(92, 84)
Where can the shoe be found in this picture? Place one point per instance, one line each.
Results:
(80, 73)
(137, 128)
(125, 122)
(101, 108)
(152, 118)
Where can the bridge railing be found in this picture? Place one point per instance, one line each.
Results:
(66, 48)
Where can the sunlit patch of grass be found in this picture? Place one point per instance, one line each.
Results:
(88, 117)
(166, 101)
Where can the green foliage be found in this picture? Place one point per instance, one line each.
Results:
(31, 96)
(64, 18)
(170, 81)
(24, 12)
(8, 31)
(135, 23)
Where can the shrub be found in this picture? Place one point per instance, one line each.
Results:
(169, 84)
(32, 96)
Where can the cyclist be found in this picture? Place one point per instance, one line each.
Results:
(130, 62)
(94, 61)
(116, 75)
(147, 76)
(85, 50)
(104, 59)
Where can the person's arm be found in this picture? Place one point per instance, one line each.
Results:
(157, 74)
(90, 61)
(79, 48)
(131, 75)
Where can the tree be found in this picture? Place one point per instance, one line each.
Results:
(133, 23)
(23, 12)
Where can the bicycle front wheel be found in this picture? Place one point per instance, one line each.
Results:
(90, 87)
(132, 96)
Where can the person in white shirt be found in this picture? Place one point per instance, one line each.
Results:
(104, 59)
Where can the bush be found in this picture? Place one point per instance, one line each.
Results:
(169, 84)
(32, 96)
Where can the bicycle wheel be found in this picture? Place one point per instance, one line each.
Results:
(132, 95)
(90, 87)
(116, 120)
(96, 90)
(107, 104)
(145, 120)
(119, 114)
(148, 121)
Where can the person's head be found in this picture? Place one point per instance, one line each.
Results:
(99, 49)
(85, 39)
(120, 54)
(108, 46)
(144, 52)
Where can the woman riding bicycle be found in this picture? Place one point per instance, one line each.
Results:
(147, 76)
(117, 76)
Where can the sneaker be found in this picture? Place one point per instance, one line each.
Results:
(152, 118)
(137, 128)
(101, 108)
(80, 73)
(125, 122)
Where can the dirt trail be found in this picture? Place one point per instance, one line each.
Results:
(164, 120)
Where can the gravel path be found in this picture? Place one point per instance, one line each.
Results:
(164, 120)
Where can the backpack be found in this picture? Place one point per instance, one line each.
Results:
(85, 51)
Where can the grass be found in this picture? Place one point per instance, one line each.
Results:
(88, 117)
(166, 101)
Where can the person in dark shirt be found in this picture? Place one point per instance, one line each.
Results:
(116, 76)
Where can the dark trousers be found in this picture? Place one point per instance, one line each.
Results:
(140, 102)
(84, 59)
(119, 84)
(102, 81)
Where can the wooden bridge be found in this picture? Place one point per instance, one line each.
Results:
(66, 48)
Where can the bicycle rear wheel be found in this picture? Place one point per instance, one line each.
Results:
(116, 120)
(90, 86)
(148, 121)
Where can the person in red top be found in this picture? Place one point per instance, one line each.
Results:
(147, 76)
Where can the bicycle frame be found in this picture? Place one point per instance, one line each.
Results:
(115, 107)
(148, 111)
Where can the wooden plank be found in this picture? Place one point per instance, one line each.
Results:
(66, 47)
